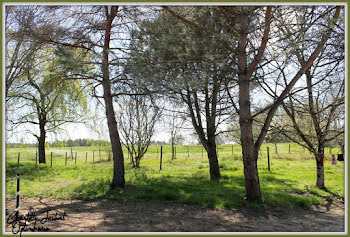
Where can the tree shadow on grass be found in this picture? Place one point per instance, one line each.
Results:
(43, 172)
(116, 216)
(196, 190)
(28, 170)
(193, 189)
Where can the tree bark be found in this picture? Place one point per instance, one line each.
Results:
(41, 143)
(118, 158)
(172, 148)
(209, 142)
(320, 171)
(249, 153)
(214, 169)
(138, 162)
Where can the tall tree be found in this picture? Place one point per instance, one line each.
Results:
(255, 27)
(103, 31)
(314, 107)
(19, 49)
(45, 98)
(183, 64)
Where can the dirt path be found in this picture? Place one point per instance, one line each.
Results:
(113, 216)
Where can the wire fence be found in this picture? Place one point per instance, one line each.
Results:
(78, 156)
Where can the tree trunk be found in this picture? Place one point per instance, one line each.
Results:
(251, 175)
(41, 145)
(320, 172)
(172, 149)
(132, 161)
(250, 157)
(319, 163)
(214, 169)
(138, 162)
(249, 153)
(118, 158)
(276, 148)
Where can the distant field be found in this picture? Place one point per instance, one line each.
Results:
(290, 182)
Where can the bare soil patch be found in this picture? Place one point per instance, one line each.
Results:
(114, 216)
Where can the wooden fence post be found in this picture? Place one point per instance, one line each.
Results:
(51, 160)
(188, 152)
(75, 162)
(86, 158)
(65, 163)
(161, 158)
(93, 156)
(18, 157)
(268, 157)
(18, 190)
(71, 152)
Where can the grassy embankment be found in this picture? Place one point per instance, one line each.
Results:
(290, 183)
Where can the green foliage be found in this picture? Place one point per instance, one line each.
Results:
(80, 142)
(178, 140)
(50, 92)
(184, 180)
(172, 54)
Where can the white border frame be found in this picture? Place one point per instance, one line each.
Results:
(344, 4)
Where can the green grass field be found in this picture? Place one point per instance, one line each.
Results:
(290, 183)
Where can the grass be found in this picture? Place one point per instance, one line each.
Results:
(290, 183)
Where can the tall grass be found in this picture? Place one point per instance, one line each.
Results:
(290, 183)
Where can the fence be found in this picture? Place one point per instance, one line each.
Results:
(52, 157)
(17, 195)
(65, 156)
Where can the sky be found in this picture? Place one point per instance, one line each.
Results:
(76, 131)
(91, 131)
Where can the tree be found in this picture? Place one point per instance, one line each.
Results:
(234, 134)
(179, 140)
(182, 64)
(138, 115)
(97, 124)
(19, 48)
(254, 29)
(316, 108)
(175, 120)
(102, 31)
(45, 98)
